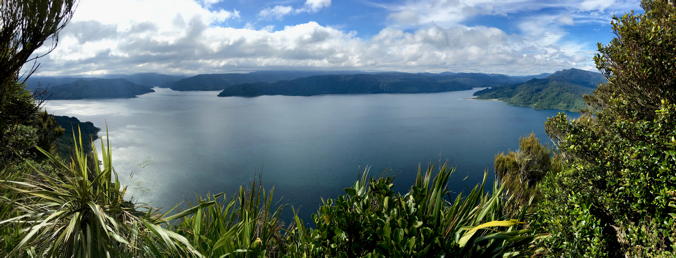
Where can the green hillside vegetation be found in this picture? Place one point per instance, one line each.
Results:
(607, 189)
(144, 79)
(90, 87)
(96, 89)
(222, 81)
(148, 79)
(73, 126)
(562, 90)
(372, 83)
(259, 81)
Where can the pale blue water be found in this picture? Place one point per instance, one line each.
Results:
(172, 146)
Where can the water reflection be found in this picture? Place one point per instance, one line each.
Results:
(171, 146)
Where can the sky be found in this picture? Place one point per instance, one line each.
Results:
(515, 37)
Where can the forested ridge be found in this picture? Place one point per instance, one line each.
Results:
(563, 90)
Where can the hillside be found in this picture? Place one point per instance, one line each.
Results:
(96, 89)
(144, 79)
(46, 82)
(71, 125)
(221, 81)
(149, 79)
(369, 83)
(562, 90)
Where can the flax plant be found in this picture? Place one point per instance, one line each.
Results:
(247, 225)
(373, 220)
(78, 209)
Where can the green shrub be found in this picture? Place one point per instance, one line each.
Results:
(247, 225)
(372, 220)
(617, 193)
(77, 209)
(520, 171)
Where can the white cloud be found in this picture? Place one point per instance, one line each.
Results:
(210, 3)
(596, 4)
(316, 5)
(277, 12)
(452, 12)
(130, 36)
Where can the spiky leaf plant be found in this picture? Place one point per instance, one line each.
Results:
(78, 209)
(247, 225)
(373, 220)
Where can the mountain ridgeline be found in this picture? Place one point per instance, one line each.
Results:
(110, 86)
(562, 90)
(89, 88)
(212, 82)
(370, 83)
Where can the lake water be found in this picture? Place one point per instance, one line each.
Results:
(171, 146)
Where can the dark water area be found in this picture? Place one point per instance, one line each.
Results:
(170, 147)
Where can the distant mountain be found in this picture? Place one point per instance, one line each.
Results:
(561, 90)
(144, 79)
(221, 81)
(45, 82)
(302, 83)
(149, 79)
(96, 89)
(369, 83)
(580, 77)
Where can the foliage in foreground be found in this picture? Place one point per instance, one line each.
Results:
(369, 220)
(373, 220)
(77, 209)
(520, 171)
(617, 193)
(246, 225)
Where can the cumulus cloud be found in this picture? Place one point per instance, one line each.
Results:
(452, 12)
(315, 5)
(277, 12)
(131, 36)
(209, 3)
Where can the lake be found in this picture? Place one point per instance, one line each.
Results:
(171, 146)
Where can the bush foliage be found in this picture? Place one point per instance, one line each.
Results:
(617, 192)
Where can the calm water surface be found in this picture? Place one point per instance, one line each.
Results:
(171, 146)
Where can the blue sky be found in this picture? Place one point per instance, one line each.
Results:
(207, 36)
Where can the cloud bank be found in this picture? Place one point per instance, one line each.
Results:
(191, 36)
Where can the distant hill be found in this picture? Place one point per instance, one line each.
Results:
(144, 79)
(149, 79)
(221, 81)
(561, 90)
(96, 89)
(46, 82)
(65, 143)
(302, 83)
(370, 83)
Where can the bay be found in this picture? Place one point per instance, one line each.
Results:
(170, 146)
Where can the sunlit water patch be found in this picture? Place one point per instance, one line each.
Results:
(171, 146)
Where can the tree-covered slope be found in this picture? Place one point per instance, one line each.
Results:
(96, 89)
(222, 81)
(71, 125)
(149, 79)
(144, 79)
(562, 90)
(369, 83)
